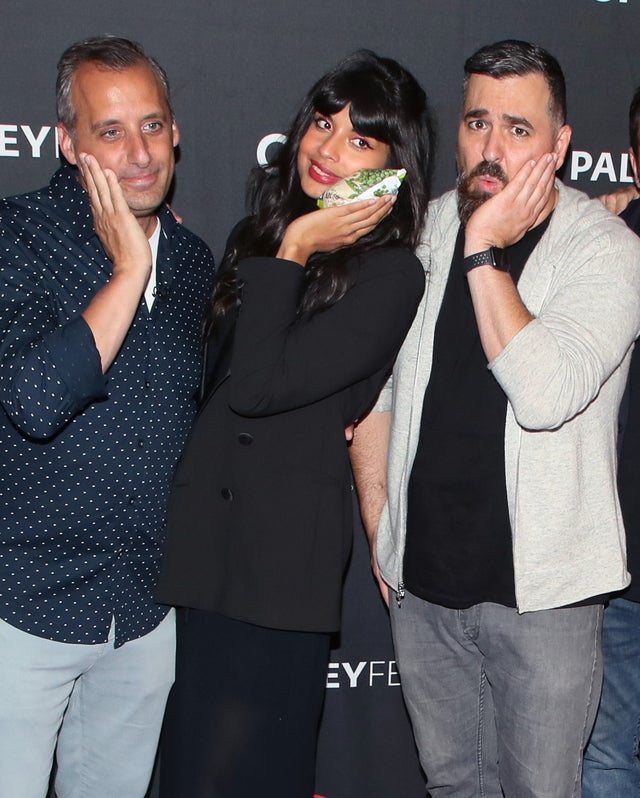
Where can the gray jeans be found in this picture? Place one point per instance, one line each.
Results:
(500, 703)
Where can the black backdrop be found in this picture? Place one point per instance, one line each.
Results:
(238, 71)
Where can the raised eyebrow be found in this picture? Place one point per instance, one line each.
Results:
(517, 121)
(479, 113)
(476, 113)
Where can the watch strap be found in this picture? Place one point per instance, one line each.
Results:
(493, 257)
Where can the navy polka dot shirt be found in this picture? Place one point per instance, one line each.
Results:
(86, 459)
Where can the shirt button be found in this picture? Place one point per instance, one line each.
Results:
(245, 439)
(140, 443)
(227, 494)
(132, 500)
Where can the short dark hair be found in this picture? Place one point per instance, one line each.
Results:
(111, 52)
(512, 57)
(634, 122)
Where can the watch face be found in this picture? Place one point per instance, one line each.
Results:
(499, 258)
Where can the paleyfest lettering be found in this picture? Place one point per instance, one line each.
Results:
(605, 166)
(17, 140)
(264, 144)
(363, 674)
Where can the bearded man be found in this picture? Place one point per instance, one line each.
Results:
(496, 525)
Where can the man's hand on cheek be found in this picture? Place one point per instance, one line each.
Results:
(505, 218)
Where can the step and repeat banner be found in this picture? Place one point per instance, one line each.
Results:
(238, 71)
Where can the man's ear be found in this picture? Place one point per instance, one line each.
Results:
(634, 167)
(176, 133)
(65, 142)
(563, 139)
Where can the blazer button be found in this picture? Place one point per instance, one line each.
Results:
(245, 439)
(227, 494)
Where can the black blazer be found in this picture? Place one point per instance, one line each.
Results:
(260, 520)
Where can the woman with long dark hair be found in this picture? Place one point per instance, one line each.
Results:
(305, 322)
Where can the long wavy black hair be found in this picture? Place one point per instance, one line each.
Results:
(385, 102)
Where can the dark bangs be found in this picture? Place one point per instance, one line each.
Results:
(371, 111)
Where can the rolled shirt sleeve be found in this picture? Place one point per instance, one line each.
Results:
(47, 381)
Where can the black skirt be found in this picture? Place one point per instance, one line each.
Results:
(242, 718)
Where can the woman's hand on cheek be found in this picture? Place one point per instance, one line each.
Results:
(329, 229)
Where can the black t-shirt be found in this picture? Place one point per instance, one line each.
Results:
(458, 550)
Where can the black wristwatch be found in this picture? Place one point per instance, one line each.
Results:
(488, 257)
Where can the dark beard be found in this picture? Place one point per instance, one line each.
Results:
(469, 199)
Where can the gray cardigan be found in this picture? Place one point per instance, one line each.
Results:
(563, 374)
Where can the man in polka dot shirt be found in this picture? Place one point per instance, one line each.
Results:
(101, 297)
